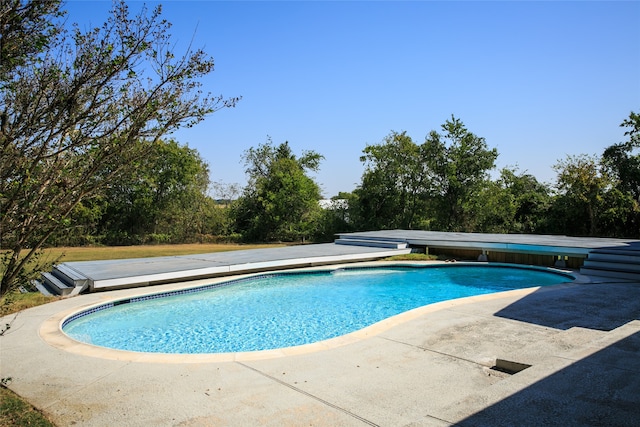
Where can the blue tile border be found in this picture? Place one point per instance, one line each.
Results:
(168, 294)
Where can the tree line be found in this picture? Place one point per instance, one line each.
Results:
(87, 158)
(442, 184)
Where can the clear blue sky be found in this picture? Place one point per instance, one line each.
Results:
(538, 80)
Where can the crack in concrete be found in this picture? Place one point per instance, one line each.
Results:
(319, 399)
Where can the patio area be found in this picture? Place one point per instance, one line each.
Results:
(434, 366)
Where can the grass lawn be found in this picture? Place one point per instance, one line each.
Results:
(16, 412)
(94, 253)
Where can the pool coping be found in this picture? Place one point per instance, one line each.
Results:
(51, 332)
(579, 339)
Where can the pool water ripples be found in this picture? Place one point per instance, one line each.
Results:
(287, 309)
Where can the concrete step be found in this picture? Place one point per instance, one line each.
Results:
(43, 288)
(610, 273)
(618, 252)
(612, 265)
(615, 257)
(57, 285)
(69, 275)
(372, 243)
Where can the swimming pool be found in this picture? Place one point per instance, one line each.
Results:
(287, 309)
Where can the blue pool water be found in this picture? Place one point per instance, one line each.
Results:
(288, 309)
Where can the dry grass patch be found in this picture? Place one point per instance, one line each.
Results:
(15, 301)
(14, 411)
(94, 253)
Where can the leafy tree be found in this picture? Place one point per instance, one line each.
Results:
(600, 196)
(220, 213)
(514, 203)
(581, 190)
(620, 160)
(162, 196)
(532, 200)
(620, 216)
(493, 210)
(423, 186)
(280, 201)
(394, 188)
(84, 225)
(457, 164)
(26, 28)
(76, 117)
(336, 217)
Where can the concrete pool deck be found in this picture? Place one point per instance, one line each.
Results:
(428, 367)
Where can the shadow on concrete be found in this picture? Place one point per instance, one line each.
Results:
(601, 306)
(602, 389)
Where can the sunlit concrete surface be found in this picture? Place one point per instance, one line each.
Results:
(114, 274)
(428, 367)
(72, 278)
(523, 243)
